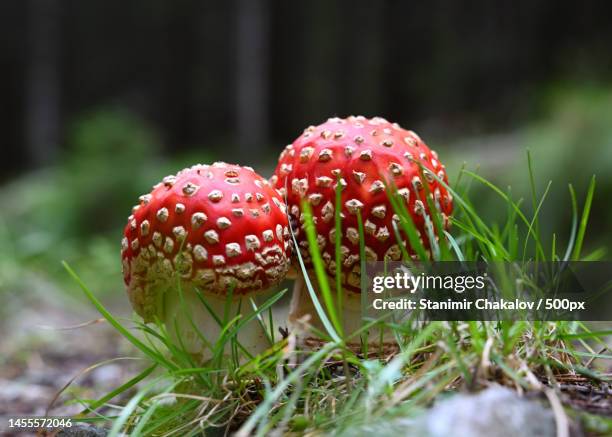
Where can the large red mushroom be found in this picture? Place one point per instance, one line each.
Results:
(363, 156)
(216, 228)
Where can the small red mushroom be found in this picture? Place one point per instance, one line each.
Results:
(217, 228)
(361, 155)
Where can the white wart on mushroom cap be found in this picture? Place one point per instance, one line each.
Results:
(217, 227)
(360, 154)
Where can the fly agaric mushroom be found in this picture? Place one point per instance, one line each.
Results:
(217, 228)
(361, 155)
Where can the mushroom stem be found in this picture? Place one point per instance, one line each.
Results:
(295, 307)
(352, 315)
(192, 326)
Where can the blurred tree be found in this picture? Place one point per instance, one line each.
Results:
(43, 81)
(252, 75)
(365, 92)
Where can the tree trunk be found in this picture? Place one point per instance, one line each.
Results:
(251, 76)
(43, 82)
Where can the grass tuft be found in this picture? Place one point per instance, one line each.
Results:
(333, 388)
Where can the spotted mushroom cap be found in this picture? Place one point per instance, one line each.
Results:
(216, 226)
(363, 153)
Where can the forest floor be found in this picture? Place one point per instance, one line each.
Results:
(52, 340)
(47, 341)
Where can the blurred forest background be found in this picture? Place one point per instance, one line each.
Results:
(101, 99)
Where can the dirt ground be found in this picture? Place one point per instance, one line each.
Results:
(47, 340)
(50, 338)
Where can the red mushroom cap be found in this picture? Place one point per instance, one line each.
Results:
(363, 153)
(216, 226)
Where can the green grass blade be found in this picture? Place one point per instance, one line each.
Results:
(533, 227)
(587, 335)
(535, 222)
(313, 294)
(126, 386)
(584, 220)
(338, 243)
(131, 406)
(574, 229)
(408, 226)
(115, 324)
(455, 246)
(319, 268)
(503, 195)
(439, 245)
(264, 407)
